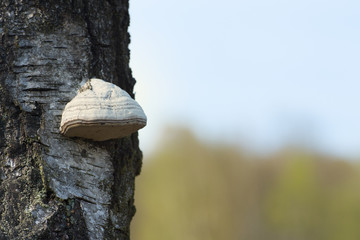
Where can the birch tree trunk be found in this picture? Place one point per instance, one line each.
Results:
(53, 187)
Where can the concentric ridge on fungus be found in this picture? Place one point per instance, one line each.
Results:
(101, 111)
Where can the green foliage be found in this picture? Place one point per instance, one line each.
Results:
(191, 190)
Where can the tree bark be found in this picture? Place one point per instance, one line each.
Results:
(51, 186)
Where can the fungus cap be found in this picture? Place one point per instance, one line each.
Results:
(101, 111)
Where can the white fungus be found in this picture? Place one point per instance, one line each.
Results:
(101, 111)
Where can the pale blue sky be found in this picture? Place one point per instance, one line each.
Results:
(260, 73)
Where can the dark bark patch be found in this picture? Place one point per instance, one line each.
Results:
(67, 223)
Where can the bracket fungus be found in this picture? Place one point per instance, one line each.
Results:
(101, 111)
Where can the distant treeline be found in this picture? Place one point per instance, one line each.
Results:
(196, 191)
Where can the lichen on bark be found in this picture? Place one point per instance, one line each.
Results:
(53, 187)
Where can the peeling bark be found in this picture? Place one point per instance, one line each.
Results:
(53, 187)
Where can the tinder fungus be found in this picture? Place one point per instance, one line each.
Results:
(101, 111)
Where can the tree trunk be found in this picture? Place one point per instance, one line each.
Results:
(51, 186)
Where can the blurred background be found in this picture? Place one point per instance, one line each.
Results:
(253, 120)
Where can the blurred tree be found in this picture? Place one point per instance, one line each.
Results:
(187, 194)
(294, 202)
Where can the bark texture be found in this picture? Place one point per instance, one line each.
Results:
(53, 187)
